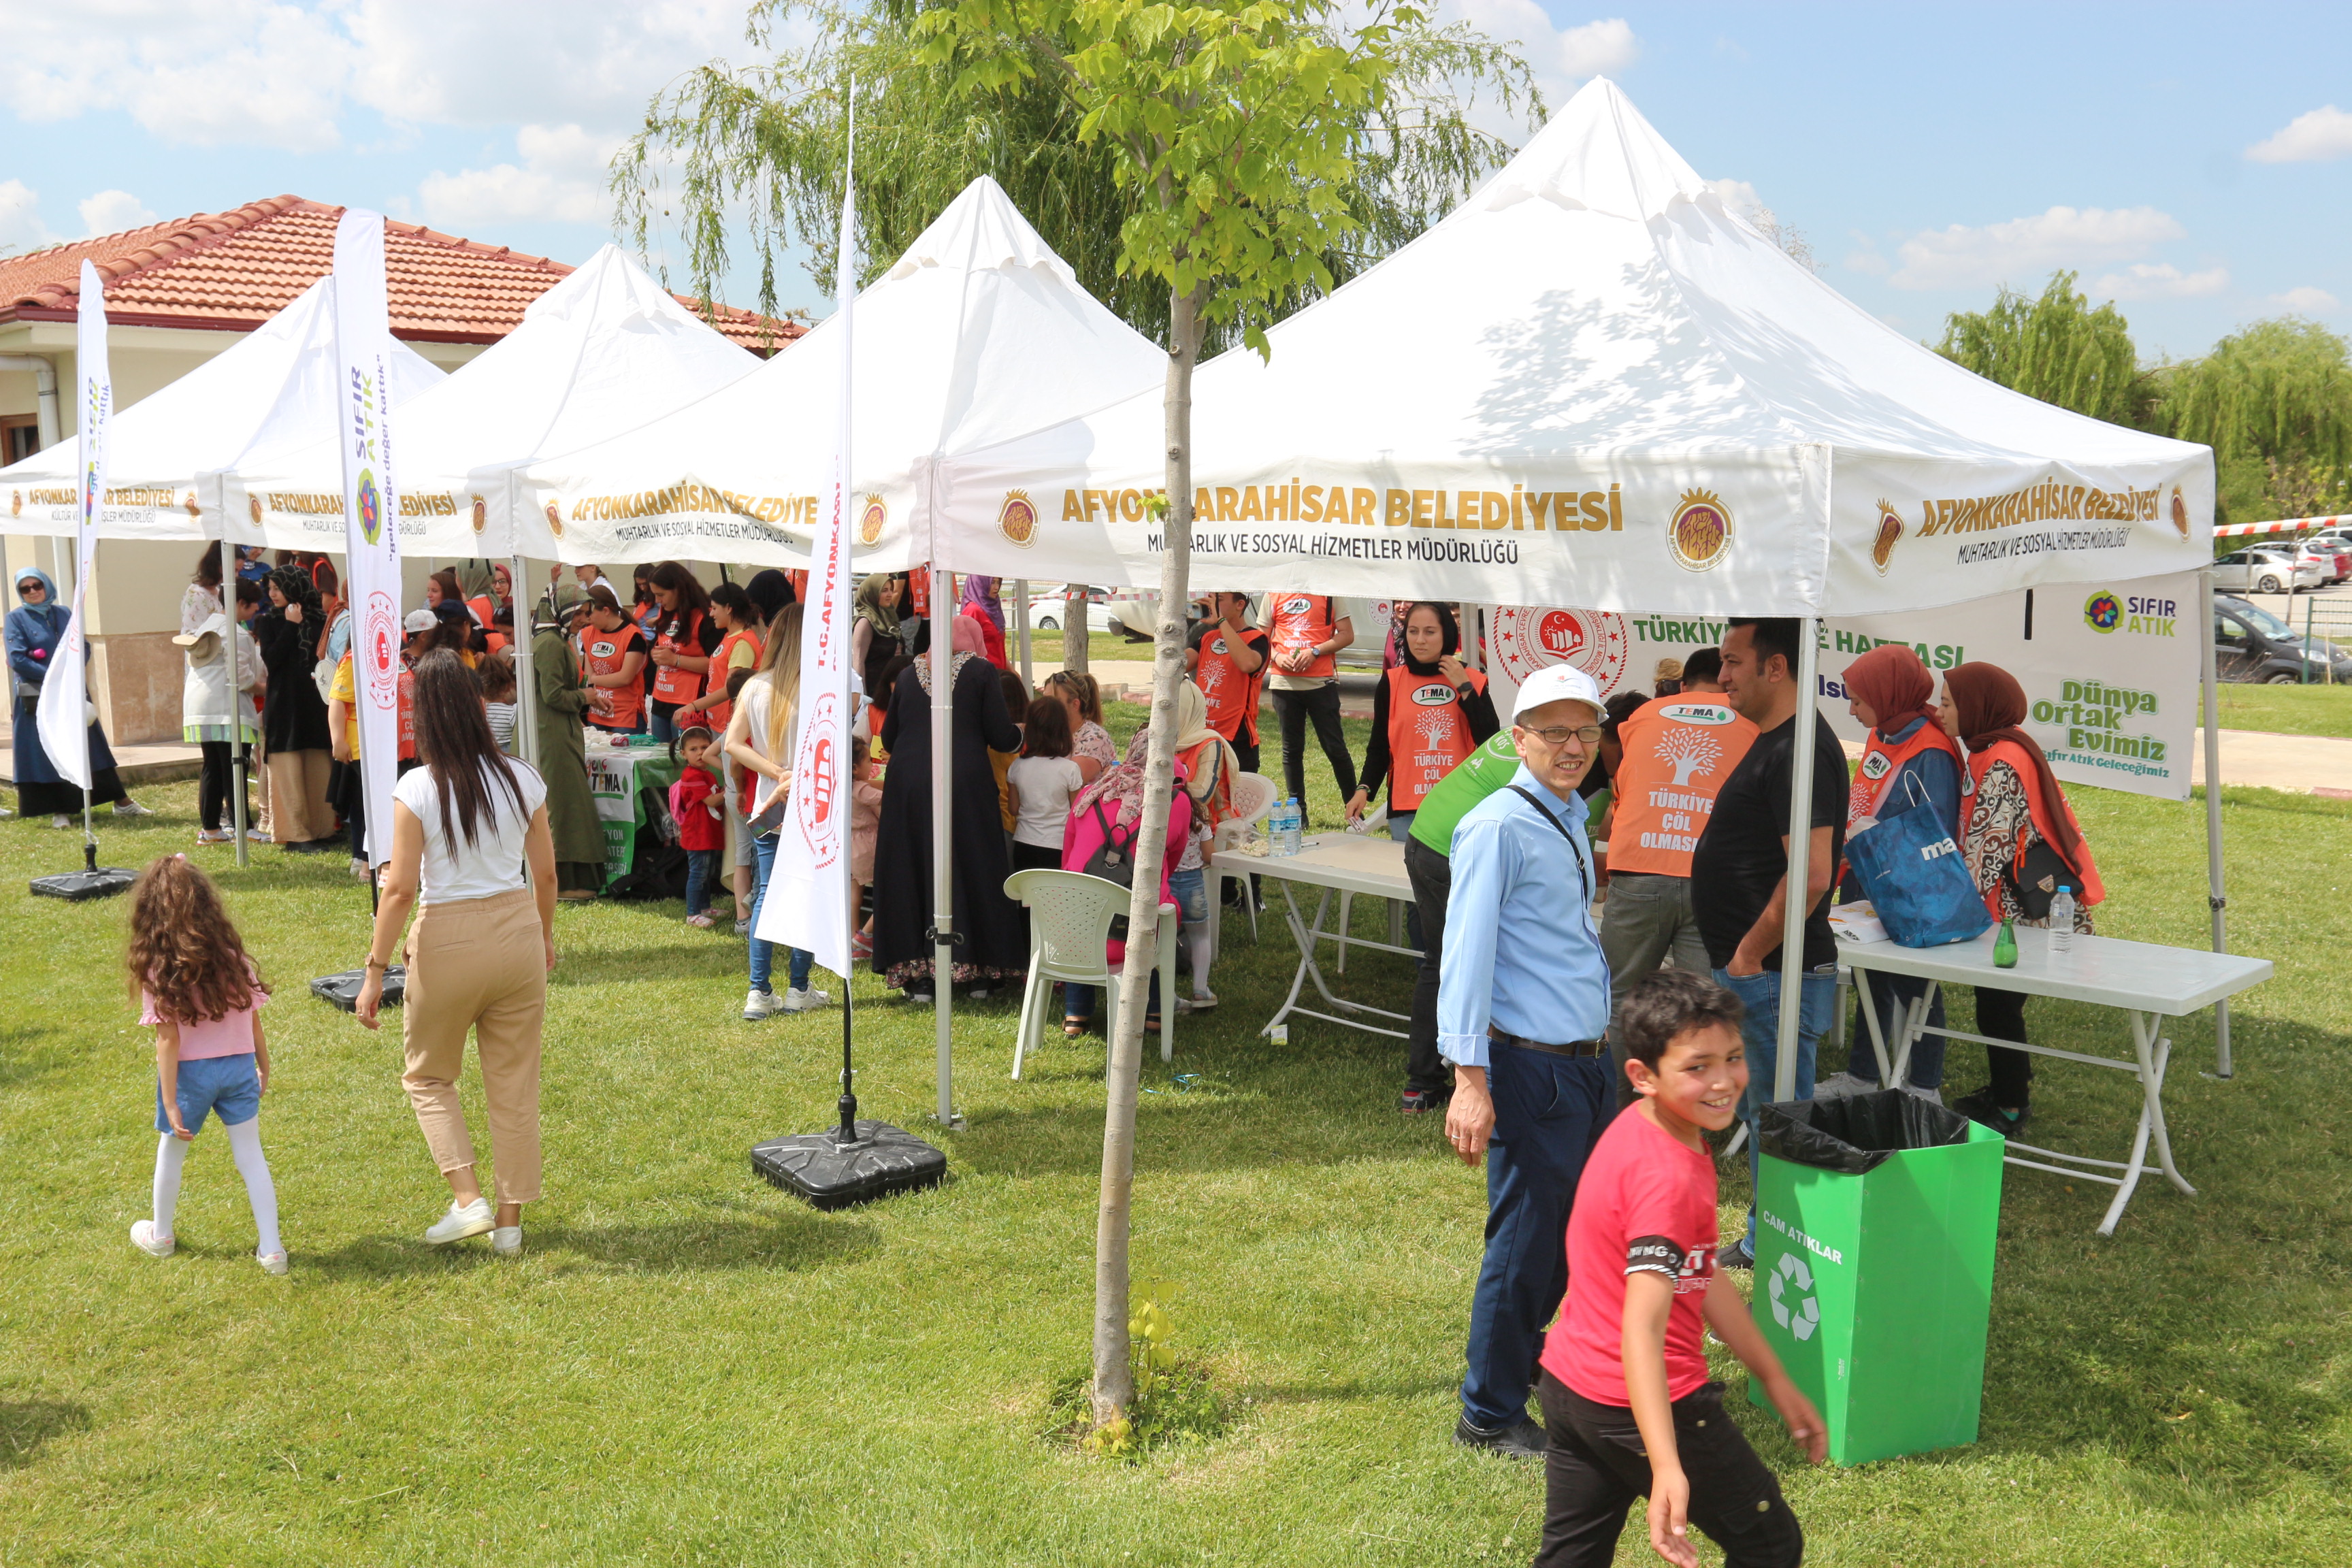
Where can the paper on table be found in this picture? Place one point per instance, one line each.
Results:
(1856, 921)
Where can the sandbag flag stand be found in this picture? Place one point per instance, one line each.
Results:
(808, 901)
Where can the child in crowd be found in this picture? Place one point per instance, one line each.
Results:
(864, 827)
(1626, 1393)
(698, 805)
(497, 674)
(202, 995)
(739, 784)
(1043, 781)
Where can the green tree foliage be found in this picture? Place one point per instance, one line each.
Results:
(2274, 402)
(2055, 348)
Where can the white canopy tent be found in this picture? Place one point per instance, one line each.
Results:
(1591, 385)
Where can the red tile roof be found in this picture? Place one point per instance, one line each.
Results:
(232, 272)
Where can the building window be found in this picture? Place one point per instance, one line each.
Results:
(20, 437)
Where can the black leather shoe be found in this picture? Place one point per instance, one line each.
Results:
(1521, 1439)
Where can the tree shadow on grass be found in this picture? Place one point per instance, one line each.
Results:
(28, 1424)
(786, 1239)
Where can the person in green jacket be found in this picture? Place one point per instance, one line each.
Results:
(1428, 1082)
(563, 762)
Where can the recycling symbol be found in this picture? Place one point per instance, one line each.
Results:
(1804, 1315)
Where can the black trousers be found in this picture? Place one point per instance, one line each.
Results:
(213, 786)
(1597, 1466)
(1431, 875)
(1294, 708)
(2001, 1014)
(1245, 752)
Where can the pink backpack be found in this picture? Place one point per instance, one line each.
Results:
(1094, 843)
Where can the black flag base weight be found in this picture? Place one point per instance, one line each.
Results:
(831, 1172)
(344, 990)
(92, 881)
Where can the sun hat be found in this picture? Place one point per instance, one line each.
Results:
(1555, 683)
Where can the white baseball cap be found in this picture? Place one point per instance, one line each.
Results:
(1555, 683)
(420, 621)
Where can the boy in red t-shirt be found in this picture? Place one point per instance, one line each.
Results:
(701, 811)
(1626, 1393)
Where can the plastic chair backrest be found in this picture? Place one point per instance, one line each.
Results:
(1254, 796)
(1069, 921)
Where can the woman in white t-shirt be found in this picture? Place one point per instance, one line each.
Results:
(464, 823)
(762, 737)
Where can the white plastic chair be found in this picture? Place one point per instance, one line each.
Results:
(1254, 798)
(1069, 922)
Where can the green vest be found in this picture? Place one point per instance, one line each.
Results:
(1473, 778)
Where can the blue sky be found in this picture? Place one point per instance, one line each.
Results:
(2195, 163)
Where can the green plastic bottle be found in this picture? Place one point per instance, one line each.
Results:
(2004, 946)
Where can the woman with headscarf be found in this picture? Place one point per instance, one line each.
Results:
(33, 631)
(294, 716)
(1428, 713)
(979, 606)
(875, 640)
(994, 948)
(2022, 844)
(562, 701)
(1908, 763)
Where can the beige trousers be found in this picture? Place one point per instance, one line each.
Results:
(299, 811)
(479, 964)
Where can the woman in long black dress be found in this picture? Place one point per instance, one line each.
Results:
(995, 948)
(293, 714)
(36, 628)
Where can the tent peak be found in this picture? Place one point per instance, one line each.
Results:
(1598, 155)
(981, 230)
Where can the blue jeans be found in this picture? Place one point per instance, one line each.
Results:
(763, 954)
(699, 865)
(662, 726)
(229, 1085)
(1760, 1031)
(1893, 994)
(1549, 1111)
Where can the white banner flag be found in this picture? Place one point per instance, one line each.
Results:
(807, 902)
(62, 716)
(371, 506)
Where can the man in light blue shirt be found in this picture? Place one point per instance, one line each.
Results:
(1522, 1014)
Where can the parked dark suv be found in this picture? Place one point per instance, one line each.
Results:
(2252, 645)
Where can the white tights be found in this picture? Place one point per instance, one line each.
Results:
(244, 1147)
(1203, 950)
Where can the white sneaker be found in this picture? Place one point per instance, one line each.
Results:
(1932, 1095)
(359, 869)
(272, 1262)
(506, 1240)
(127, 807)
(143, 1237)
(61, 820)
(462, 1221)
(1199, 1002)
(758, 1004)
(1839, 1085)
(801, 1001)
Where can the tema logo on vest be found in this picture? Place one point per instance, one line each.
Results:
(2102, 612)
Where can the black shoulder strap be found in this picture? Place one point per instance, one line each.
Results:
(1583, 880)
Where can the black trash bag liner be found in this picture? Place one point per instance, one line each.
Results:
(1854, 1135)
(344, 990)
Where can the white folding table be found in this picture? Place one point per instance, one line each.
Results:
(1331, 863)
(2147, 982)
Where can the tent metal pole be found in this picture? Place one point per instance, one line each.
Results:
(1800, 844)
(2215, 898)
(1021, 628)
(236, 699)
(526, 699)
(943, 933)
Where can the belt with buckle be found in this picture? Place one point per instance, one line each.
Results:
(1572, 1048)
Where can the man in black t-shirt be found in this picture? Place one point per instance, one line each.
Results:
(1739, 870)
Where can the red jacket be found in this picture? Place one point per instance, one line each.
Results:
(697, 827)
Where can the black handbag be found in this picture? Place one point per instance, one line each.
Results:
(2032, 879)
(1113, 862)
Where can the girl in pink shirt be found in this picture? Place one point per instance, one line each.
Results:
(202, 995)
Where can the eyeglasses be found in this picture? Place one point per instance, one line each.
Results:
(1556, 736)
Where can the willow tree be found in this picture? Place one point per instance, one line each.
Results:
(2055, 348)
(743, 160)
(2274, 402)
(1260, 146)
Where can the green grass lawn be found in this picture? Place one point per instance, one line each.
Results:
(2286, 709)
(688, 1367)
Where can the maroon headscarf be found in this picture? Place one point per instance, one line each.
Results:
(1896, 685)
(1989, 705)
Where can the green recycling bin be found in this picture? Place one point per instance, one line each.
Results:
(1875, 1220)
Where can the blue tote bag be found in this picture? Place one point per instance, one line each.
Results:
(1917, 878)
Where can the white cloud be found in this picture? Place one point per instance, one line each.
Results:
(1738, 197)
(561, 178)
(111, 211)
(1561, 59)
(2313, 138)
(1599, 48)
(21, 227)
(2305, 301)
(2023, 248)
(2162, 281)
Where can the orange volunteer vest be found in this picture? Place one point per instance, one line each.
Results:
(674, 684)
(1882, 761)
(1233, 697)
(1676, 757)
(601, 653)
(2093, 890)
(1428, 733)
(1303, 620)
(919, 592)
(715, 678)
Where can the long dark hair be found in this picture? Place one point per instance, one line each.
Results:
(692, 599)
(208, 572)
(454, 739)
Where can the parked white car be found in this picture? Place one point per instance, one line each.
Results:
(1047, 610)
(2264, 571)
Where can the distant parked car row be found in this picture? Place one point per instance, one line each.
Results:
(2252, 646)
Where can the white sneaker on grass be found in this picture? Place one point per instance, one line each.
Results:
(758, 1004)
(506, 1240)
(272, 1262)
(143, 1237)
(462, 1221)
(808, 996)
(129, 807)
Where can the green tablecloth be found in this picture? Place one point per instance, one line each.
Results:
(616, 778)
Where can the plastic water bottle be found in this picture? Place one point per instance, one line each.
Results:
(2062, 923)
(1292, 829)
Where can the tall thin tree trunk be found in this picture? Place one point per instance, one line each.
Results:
(1114, 1385)
(1075, 630)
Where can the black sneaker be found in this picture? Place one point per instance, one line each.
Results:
(1417, 1101)
(1521, 1440)
(1739, 1255)
(1982, 1108)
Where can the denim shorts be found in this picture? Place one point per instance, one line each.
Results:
(229, 1085)
(1189, 891)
